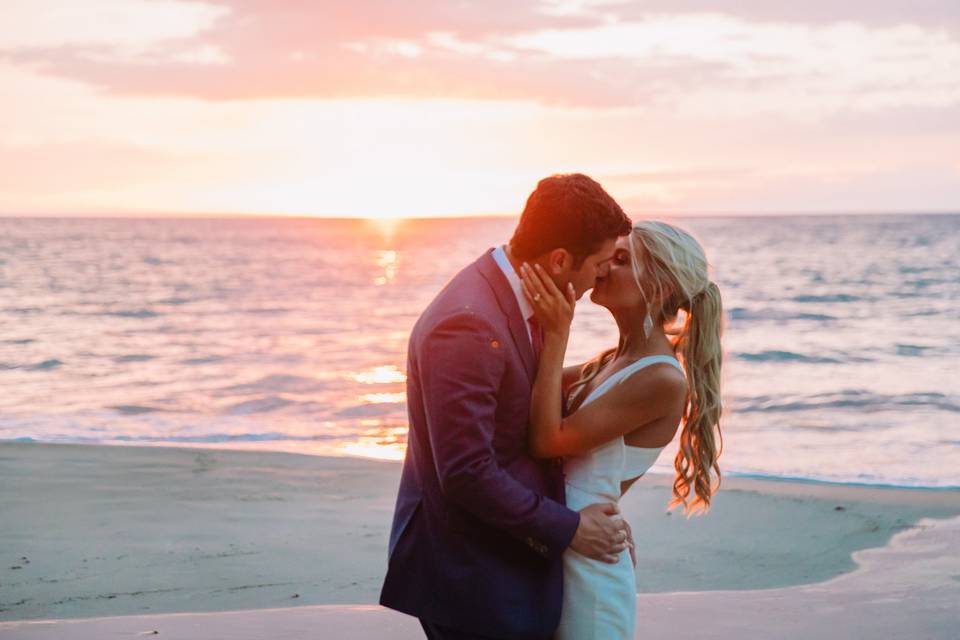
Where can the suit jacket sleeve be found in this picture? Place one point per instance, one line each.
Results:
(460, 382)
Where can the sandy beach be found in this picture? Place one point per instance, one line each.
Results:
(101, 539)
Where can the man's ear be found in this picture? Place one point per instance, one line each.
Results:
(558, 260)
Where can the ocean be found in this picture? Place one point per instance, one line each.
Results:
(842, 339)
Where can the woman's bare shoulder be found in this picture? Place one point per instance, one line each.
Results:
(655, 388)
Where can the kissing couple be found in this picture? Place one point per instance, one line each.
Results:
(507, 522)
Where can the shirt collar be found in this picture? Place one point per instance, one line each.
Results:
(504, 263)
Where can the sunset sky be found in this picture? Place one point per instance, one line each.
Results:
(429, 107)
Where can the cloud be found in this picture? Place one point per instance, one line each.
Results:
(575, 54)
(250, 105)
(873, 13)
(127, 23)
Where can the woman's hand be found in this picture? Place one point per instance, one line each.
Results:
(553, 309)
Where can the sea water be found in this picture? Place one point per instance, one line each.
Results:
(842, 337)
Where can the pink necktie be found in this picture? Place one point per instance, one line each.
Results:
(537, 338)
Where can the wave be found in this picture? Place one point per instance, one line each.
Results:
(742, 313)
(229, 437)
(130, 313)
(208, 438)
(835, 297)
(134, 357)
(206, 360)
(848, 399)
(785, 356)
(258, 405)
(875, 482)
(369, 410)
(911, 349)
(53, 363)
(132, 409)
(279, 383)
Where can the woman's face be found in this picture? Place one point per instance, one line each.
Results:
(618, 289)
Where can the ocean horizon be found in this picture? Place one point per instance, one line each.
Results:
(289, 334)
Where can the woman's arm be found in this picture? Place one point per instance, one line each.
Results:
(638, 402)
(570, 375)
(642, 398)
(554, 313)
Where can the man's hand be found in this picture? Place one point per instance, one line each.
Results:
(600, 535)
(633, 547)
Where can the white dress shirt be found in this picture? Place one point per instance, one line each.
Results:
(500, 255)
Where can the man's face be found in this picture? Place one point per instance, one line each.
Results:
(594, 266)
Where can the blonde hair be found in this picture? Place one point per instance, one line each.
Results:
(670, 268)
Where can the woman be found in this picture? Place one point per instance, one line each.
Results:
(625, 406)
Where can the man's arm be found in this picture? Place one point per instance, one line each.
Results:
(460, 370)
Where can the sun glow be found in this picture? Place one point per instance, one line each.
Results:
(380, 375)
(382, 442)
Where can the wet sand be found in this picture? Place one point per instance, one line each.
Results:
(93, 531)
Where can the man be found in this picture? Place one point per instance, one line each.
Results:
(480, 528)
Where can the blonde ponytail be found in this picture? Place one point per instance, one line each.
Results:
(700, 350)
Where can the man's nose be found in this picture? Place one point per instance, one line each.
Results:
(603, 270)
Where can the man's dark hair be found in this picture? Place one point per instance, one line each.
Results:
(568, 211)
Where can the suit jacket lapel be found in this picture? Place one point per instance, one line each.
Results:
(508, 304)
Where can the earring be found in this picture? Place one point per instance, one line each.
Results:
(647, 326)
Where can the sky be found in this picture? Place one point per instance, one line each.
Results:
(388, 109)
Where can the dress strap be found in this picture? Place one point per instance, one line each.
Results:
(646, 362)
(629, 370)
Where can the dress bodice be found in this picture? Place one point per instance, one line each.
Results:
(599, 472)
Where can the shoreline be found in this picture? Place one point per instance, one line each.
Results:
(105, 530)
(262, 446)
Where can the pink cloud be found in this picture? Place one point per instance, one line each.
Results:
(335, 50)
(933, 13)
(261, 49)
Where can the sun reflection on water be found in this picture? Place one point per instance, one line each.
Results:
(380, 375)
(383, 398)
(384, 442)
(387, 260)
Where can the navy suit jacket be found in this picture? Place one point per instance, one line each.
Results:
(479, 528)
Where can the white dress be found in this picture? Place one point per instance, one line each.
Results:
(599, 599)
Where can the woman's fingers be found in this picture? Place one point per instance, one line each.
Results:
(526, 286)
(544, 294)
(529, 290)
(531, 296)
(547, 282)
(535, 282)
(568, 294)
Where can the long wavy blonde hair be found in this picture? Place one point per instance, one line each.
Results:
(670, 268)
